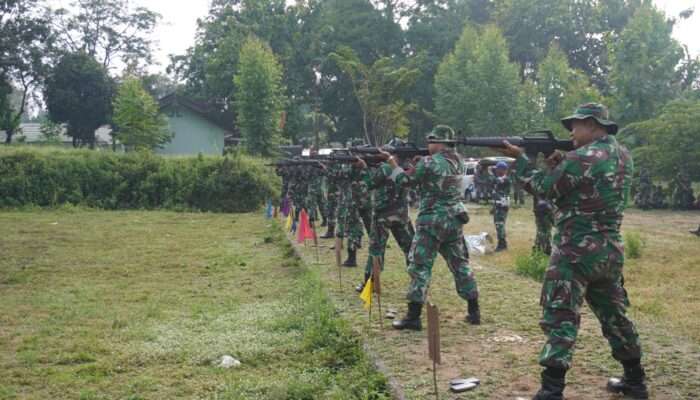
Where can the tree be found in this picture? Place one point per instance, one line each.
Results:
(379, 89)
(79, 93)
(561, 88)
(137, 118)
(107, 30)
(644, 61)
(259, 99)
(669, 141)
(23, 41)
(477, 88)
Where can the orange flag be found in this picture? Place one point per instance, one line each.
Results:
(304, 230)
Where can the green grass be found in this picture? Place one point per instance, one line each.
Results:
(532, 265)
(633, 244)
(503, 351)
(142, 305)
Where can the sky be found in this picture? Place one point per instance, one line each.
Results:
(177, 29)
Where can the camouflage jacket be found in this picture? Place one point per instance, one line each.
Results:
(438, 178)
(388, 197)
(590, 189)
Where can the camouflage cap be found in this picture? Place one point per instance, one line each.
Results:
(441, 132)
(596, 111)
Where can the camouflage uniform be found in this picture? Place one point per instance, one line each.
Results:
(501, 204)
(544, 219)
(441, 217)
(354, 208)
(518, 192)
(389, 214)
(682, 197)
(314, 193)
(590, 189)
(643, 199)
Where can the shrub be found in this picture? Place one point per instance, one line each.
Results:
(53, 177)
(633, 244)
(532, 265)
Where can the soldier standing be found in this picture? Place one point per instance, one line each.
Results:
(441, 216)
(590, 189)
(389, 214)
(682, 198)
(544, 219)
(643, 199)
(500, 184)
(332, 195)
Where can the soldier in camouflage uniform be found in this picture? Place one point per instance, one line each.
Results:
(389, 214)
(544, 219)
(332, 196)
(643, 199)
(518, 192)
(500, 197)
(354, 211)
(590, 189)
(682, 196)
(441, 216)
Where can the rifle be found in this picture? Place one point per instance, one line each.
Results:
(295, 163)
(533, 145)
(410, 150)
(344, 156)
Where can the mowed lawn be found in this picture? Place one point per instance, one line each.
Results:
(142, 305)
(502, 352)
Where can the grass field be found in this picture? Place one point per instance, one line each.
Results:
(142, 305)
(663, 287)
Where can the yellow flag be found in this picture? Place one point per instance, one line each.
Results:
(366, 294)
(288, 226)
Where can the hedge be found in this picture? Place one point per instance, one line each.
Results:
(53, 177)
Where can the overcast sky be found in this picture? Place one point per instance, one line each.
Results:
(177, 29)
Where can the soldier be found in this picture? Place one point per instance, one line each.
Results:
(644, 190)
(518, 192)
(389, 213)
(682, 198)
(441, 216)
(500, 184)
(317, 202)
(332, 195)
(590, 188)
(544, 219)
(658, 198)
(354, 211)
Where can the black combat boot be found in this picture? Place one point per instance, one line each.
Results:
(696, 232)
(324, 222)
(351, 261)
(473, 314)
(553, 382)
(412, 318)
(632, 383)
(502, 245)
(330, 232)
(361, 286)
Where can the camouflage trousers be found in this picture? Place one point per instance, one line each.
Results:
(543, 236)
(400, 226)
(331, 203)
(350, 225)
(500, 214)
(573, 276)
(447, 238)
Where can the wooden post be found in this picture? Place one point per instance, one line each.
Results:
(434, 341)
(377, 285)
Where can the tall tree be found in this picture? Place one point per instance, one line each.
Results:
(379, 89)
(477, 88)
(79, 93)
(107, 30)
(561, 87)
(139, 125)
(644, 61)
(23, 40)
(259, 99)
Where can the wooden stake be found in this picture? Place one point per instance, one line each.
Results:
(377, 285)
(338, 249)
(434, 340)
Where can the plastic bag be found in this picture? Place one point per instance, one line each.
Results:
(477, 243)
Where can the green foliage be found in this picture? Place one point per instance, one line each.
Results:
(477, 88)
(669, 141)
(139, 123)
(633, 245)
(49, 178)
(259, 99)
(79, 93)
(379, 89)
(562, 88)
(532, 265)
(644, 61)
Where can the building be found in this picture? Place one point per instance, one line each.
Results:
(195, 127)
(30, 133)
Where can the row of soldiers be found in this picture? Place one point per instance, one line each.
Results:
(586, 256)
(650, 196)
